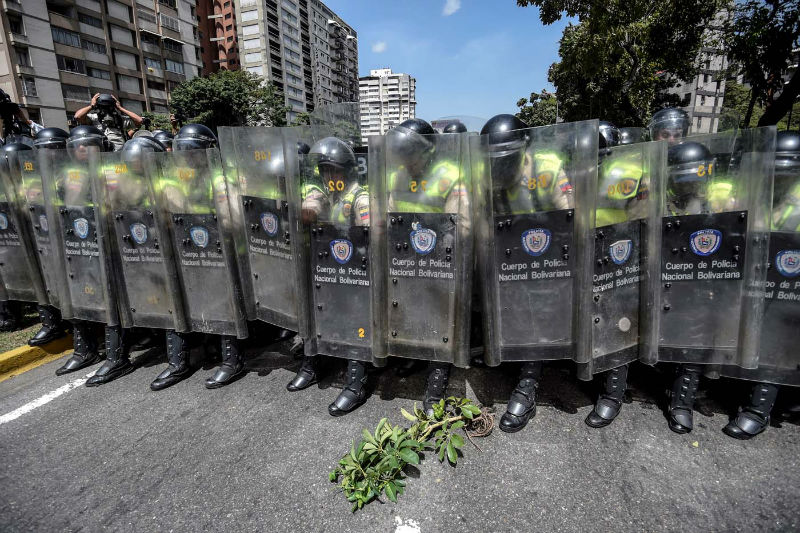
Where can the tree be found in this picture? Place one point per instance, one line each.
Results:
(538, 110)
(759, 38)
(158, 121)
(302, 119)
(230, 98)
(618, 61)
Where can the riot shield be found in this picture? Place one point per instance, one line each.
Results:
(709, 249)
(623, 208)
(534, 222)
(47, 245)
(421, 244)
(144, 271)
(191, 192)
(470, 122)
(18, 266)
(341, 120)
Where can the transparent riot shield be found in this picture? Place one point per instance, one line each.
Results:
(74, 213)
(18, 266)
(335, 219)
(422, 245)
(47, 242)
(534, 229)
(623, 208)
(709, 249)
(341, 120)
(192, 195)
(470, 122)
(144, 270)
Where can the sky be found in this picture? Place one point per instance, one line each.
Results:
(469, 57)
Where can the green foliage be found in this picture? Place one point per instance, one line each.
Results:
(376, 465)
(538, 110)
(302, 118)
(229, 98)
(158, 121)
(737, 98)
(619, 59)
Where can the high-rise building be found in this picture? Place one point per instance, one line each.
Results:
(705, 93)
(55, 54)
(387, 98)
(219, 45)
(301, 46)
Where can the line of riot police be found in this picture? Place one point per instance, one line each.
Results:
(575, 241)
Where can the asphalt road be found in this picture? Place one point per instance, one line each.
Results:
(254, 457)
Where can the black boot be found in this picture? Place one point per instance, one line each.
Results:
(232, 366)
(522, 404)
(436, 386)
(354, 393)
(754, 418)
(53, 327)
(85, 350)
(117, 363)
(610, 400)
(682, 395)
(178, 367)
(10, 315)
(306, 376)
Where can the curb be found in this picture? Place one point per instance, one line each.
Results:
(23, 358)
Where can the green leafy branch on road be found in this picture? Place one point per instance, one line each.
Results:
(376, 465)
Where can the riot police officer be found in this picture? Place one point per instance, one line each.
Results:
(334, 194)
(609, 133)
(455, 127)
(631, 135)
(165, 138)
(669, 124)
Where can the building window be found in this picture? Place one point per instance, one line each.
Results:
(229, 27)
(249, 15)
(29, 86)
(92, 46)
(174, 66)
(170, 3)
(98, 73)
(259, 70)
(229, 39)
(148, 38)
(250, 44)
(62, 36)
(147, 17)
(288, 16)
(151, 63)
(228, 16)
(295, 103)
(90, 20)
(23, 56)
(250, 30)
(173, 46)
(291, 5)
(70, 64)
(15, 25)
(170, 23)
(226, 4)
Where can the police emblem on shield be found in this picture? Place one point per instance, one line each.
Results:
(3, 221)
(620, 251)
(788, 263)
(199, 236)
(705, 241)
(43, 225)
(342, 250)
(423, 240)
(139, 233)
(81, 226)
(269, 221)
(536, 241)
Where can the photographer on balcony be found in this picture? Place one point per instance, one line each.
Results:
(106, 113)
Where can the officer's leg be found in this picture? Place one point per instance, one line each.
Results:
(306, 376)
(522, 404)
(354, 393)
(232, 365)
(118, 362)
(178, 367)
(10, 315)
(52, 326)
(85, 351)
(754, 418)
(682, 396)
(610, 400)
(436, 386)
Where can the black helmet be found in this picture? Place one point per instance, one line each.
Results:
(87, 136)
(787, 151)
(106, 102)
(631, 135)
(670, 124)
(302, 148)
(689, 166)
(134, 148)
(609, 133)
(410, 143)
(164, 137)
(194, 137)
(334, 152)
(455, 127)
(11, 148)
(52, 138)
(507, 137)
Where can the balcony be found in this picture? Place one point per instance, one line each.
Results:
(20, 69)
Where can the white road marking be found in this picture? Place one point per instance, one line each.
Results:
(42, 400)
(406, 526)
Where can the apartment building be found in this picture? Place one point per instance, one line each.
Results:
(301, 46)
(55, 54)
(387, 98)
(219, 44)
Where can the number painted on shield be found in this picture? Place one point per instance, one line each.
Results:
(337, 185)
(122, 168)
(414, 186)
(702, 170)
(361, 333)
(28, 166)
(186, 174)
(261, 155)
(88, 289)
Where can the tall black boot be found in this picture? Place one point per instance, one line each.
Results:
(53, 327)
(610, 400)
(522, 404)
(682, 396)
(118, 362)
(306, 376)
(232, 366)
(754, 418)
(354, 393)
(85, 349)
(10, 315)
(436, 385)
(178, 367)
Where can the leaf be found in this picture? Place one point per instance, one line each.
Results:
(466, 414)
(379, 428)
(391, 492)
(474, 409)
(407, 415)
(457, 425)
(368, 437)
(441, 454)
(452, 456)
(409, 456)
(353, 451)
(457, 440)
